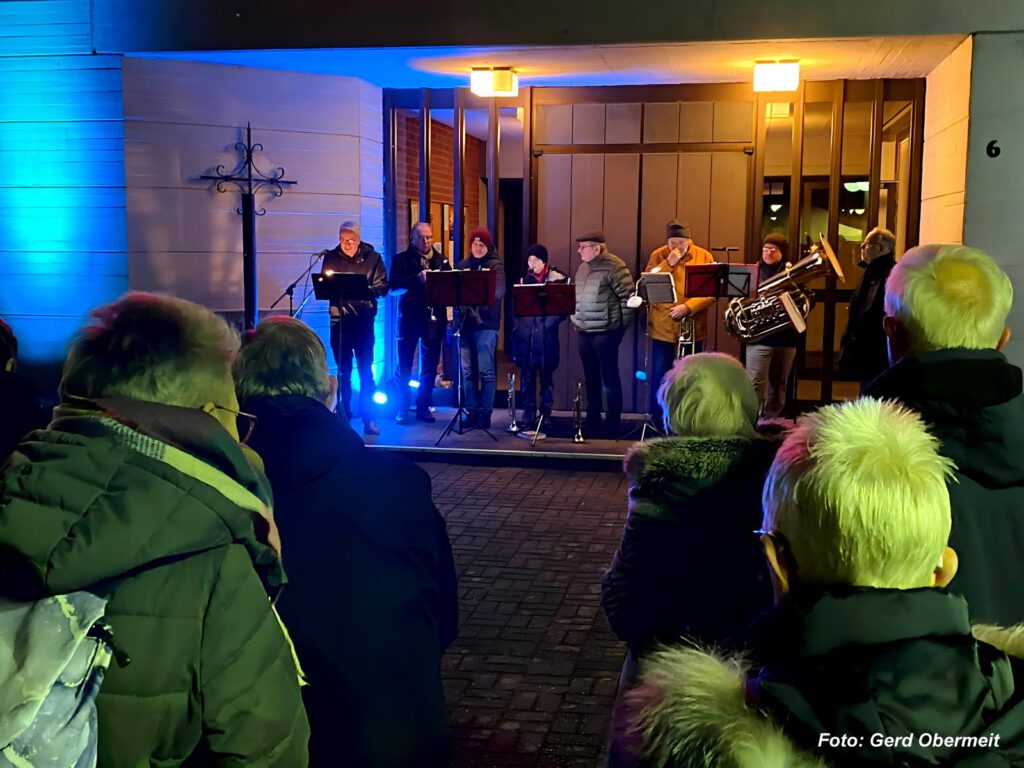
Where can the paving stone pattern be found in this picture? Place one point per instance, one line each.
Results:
(531, 679)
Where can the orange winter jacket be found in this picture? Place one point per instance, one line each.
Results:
(662, 326)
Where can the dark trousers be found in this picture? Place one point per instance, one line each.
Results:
(599, 353)
(429, 337)
(354, 337)
(528, 390)
(663, 357)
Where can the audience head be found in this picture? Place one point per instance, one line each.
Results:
(946, 297)
(878, 242)
(422, 237)
(708, 395)
(158, 349)
(857, 496)
(8, 348)
(283, 356)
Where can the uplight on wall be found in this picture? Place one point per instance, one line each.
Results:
(494, 81)
(776, 75)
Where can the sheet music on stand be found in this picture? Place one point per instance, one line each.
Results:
(659, 287)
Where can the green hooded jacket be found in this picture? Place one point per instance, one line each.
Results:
(166, 528)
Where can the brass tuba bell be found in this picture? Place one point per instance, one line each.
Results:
(781, 302)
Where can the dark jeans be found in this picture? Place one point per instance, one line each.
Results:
(528, 390)
(429, 338)
(599, 353)
(354, 337)
(663, 357)
(478, 366)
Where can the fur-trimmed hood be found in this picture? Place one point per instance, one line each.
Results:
(671, 459)
(695, 707)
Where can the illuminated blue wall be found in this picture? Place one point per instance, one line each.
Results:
(62, 189)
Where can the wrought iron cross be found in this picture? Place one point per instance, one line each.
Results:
(249, 179)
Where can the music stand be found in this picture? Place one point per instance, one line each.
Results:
(718, 281)
(543, 300)
(339, 287)
(461, 288)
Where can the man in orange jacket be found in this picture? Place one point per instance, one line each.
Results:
(664, 320)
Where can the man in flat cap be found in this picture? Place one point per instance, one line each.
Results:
(603, 285)
(664, 321)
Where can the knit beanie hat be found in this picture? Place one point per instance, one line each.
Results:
(539, 251)
(484, 235)
(779, 241)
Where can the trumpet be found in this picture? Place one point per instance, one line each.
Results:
(577, 414)
(687, 342)
(513, 426)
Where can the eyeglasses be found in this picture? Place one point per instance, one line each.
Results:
(581, 246)
(776, 538)
(349, 240)
(246, 422)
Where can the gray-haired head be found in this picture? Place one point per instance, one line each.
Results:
(282, 356)
(708, 395)
(155, 348)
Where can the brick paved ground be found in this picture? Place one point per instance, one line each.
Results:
(531, 679)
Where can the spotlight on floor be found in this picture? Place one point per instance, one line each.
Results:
(414, 383)
(641, 375)
(380, 398)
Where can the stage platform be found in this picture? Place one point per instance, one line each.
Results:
(416, 440)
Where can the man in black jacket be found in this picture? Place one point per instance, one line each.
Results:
(479, 330)
(418, 324)
(946, 310)
(352, 321)
(371, 601)
(864, 352)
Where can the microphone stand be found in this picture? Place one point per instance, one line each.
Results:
(290, 290)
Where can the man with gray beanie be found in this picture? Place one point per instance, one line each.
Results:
(603, 285)
(352, 321)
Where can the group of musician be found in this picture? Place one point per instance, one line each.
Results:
(603, 287)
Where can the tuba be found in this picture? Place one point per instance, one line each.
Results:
(781, 302)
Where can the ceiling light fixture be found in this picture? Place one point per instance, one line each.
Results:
(776, 75)
(494, 81)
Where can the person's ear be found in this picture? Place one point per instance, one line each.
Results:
(899, 343)
(946, 570)
(779, 565)
(332, 391)
(1004, 339)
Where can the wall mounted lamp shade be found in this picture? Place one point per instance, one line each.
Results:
(497, 81)
(776, 75)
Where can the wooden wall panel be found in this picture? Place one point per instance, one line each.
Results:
(554, 124)
(661, 123)
(693, 200)
(623, 123)
(734, 121)
(729, 196)
(657, 200)
(696, 121)
(588, 124)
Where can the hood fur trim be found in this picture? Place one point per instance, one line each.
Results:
(674, 458)
(690, 710)
(1009, 640)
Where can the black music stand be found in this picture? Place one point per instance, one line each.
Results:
(338, 288)
(461, 288)
(543, 300)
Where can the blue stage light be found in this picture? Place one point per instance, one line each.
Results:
(641, 375)
(414, 383)
(380, 398)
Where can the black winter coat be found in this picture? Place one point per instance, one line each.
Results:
(484, 318)
(536, 338)
(371, 602)
(688, 563)
(413, 311)
(865, 351)
(367, 262)
(972, 401)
